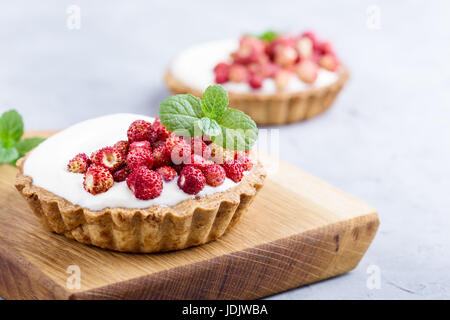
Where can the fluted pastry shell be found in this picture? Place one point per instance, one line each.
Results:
(153, 229)
(278, 108)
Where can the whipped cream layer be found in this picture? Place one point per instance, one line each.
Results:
(195, 68)
(47, 165)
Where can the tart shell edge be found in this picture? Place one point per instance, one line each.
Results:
(278, 108)
(155, 229)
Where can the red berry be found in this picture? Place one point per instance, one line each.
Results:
(191, 180)
(138, 158)
(145, 183)
(177, 149)
(108, 157)
(97, 179)
(325, 48)
(305, 47)
(221, 71)
(199, 147)
(140, 144)
(160, 157)
(255, 81)
(79, 164)
(282, 79)
(285, 56)
(122, 147)
(329, 62)
(311, 35)
(238, 73)
(243, 158)
(167, 173)
(161, 132)
(234, 171)
(307, 71)
(215, 175)
(198, 162)
(158, 143)
(139, 130)
(250, 50)
(121, 174)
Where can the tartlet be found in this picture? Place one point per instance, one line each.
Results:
(195, 220)
(266, 104)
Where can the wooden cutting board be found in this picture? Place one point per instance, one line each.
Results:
(299, 230)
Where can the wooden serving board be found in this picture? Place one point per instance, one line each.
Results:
(299, 230)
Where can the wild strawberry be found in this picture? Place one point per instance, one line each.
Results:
(161, 132)
(282, 79)
(311, 36)
(198, 146)
(243, 158)
(121, 174)
(329, 62)
(214, 175)
(146, 184)
(221, 71)
(167, 173)
(220, 155)
(191, 180)
(280, 41)
(177, 149)
(160, 157)
(307, 71)
(305, 47)
(122, 147)
(255, 81)
(234, 171)
(97, 179)
(198, 161)
(140, 144)
(79, 164)
(139, 130)
(250, 50)
(285, 56)
(325, 48)
(158, 143)
(140, 158)
(108, 157)
(238, 73)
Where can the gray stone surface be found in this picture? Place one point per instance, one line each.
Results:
(386, 140)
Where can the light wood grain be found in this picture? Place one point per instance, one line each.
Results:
(299, 230)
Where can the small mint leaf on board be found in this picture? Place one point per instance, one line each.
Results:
(8, 155)
(239, 131)
(11, 128)
(210, 127)
(180, 113)
(214, 101)
(27, 144)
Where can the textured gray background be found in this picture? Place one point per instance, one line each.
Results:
(386, 140)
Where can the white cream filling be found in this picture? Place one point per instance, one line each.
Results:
(47, 165)
(195, 68)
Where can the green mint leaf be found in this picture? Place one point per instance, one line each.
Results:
(27, 144)
(268, 36)
(181, 113)
(214, 101)
(11, 128)
(210, 127)
(239, 131)
(8, 155)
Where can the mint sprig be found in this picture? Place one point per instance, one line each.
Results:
(187, 115)
(12, 146)
(268, 36)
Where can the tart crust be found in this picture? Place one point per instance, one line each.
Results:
(277, 108)
(154, 229)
